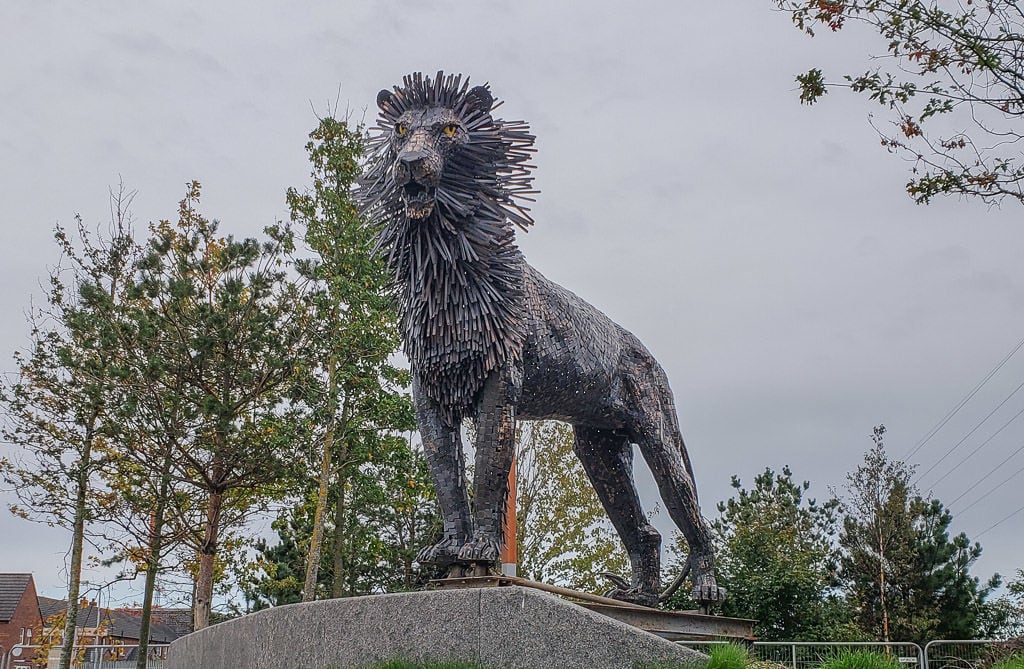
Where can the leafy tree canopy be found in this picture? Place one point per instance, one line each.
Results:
(777, 560)
(952, 80)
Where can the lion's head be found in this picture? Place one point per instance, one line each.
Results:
(438, 155)
(442, 182)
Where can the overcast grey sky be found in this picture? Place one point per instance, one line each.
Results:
(765, 252)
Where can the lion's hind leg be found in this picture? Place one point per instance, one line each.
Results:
(656, 431)
(607, 457)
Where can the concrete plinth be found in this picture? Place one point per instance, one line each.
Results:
(495, 627)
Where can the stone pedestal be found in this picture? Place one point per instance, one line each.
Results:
(494, 627)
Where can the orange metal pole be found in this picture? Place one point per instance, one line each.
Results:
(509, 552)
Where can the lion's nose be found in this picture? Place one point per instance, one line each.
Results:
(411, 165)
(412, 157)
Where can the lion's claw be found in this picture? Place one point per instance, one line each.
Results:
(636, 595)
(442, 553)
(480, 549)
(616, 580)
(708, 594)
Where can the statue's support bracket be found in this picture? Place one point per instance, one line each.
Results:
(671, 625)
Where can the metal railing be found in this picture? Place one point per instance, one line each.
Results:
(937, 654)
(92, 656)
(957, 653)
(805, 655)
(810, 654)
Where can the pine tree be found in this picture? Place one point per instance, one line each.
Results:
(276, 577)
(228, 309)
(776, 559)
(155, 425)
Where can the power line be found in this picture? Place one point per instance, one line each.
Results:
(995, 525)
(967, 457)
(993, 471)
(973, 430)
(960, 405)
(1005, 481)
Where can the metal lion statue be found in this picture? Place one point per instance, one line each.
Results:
(491, 340)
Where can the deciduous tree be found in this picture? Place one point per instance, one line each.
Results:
(952, 80)
(389, 513)
(906, 577)
(353, 394)
(563, 535)
(59, 408)
(1015, 605)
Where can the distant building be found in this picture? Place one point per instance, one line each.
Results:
(49, 607)
(113, 634)
(108, 634)
(122, 626)
(20, 617)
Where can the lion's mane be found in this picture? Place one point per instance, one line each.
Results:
(457, 273)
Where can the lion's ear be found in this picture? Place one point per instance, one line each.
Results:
(479, 98)
(385, 99)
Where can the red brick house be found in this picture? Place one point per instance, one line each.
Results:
(19, 610)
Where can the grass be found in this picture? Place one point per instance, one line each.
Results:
(728, 656)
(720, 656)
(405, 664)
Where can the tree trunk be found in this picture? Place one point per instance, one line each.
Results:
(881, 587)
(339, 548)
(317, 537)
(67, 648)
(153, 559)
(207, 555)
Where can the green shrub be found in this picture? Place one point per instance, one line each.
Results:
(860, 659)
(1011, 662)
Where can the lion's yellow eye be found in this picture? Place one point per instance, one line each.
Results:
(401, 128)
(451, 129)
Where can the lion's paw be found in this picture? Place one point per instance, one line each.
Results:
(637, 595)
(442, 553)
(708, 594)
(480, 549)
(705, 589)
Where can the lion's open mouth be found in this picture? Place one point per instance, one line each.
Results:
(419, 199)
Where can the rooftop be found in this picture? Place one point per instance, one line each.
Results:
(12, 587)
(165, 626)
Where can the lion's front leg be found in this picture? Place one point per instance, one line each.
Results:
(442, 448)
(495, 448)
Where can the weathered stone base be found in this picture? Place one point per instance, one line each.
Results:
(494, 627)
